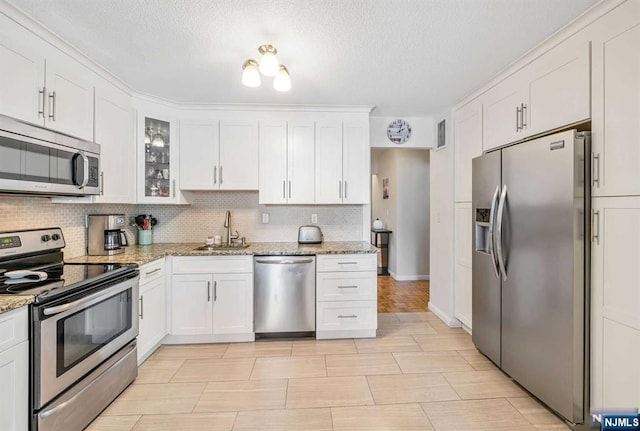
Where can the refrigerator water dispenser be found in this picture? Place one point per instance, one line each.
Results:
(482, 230)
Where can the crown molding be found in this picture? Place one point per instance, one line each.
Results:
(260, 107)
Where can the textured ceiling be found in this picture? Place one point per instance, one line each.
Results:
(407, 57)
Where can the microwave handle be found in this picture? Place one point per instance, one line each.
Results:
(85, 173)
(123, 234)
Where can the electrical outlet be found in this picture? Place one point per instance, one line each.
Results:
(265, 217)
(314, 218)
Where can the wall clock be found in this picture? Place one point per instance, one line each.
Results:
(399, 131)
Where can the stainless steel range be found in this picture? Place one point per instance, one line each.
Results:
(83, 327)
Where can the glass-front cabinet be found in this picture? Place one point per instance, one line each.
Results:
(158, 181)
(158, 160)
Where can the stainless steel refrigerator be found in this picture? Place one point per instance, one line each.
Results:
(531, 205)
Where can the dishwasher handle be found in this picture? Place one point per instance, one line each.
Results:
(284, 261)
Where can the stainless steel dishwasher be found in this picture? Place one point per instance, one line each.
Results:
(284, 294)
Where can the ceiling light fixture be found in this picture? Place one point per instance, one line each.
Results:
(282, 81)
(250, 74)
(268, 66)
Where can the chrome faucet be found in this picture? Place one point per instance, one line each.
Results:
(227, 224)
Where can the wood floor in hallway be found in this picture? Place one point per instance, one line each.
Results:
(402, 296)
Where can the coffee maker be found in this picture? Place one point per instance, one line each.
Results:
(106, 234)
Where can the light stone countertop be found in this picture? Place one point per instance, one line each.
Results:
(148, 253)
(11, 302)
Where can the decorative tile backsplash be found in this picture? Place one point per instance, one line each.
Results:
(188, 223)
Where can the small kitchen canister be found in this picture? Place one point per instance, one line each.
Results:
(145, 237)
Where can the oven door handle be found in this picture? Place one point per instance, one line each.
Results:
(91, 299)
(64, 307)
(52, 411)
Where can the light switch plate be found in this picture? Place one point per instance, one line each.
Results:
(314, 218)
(265, 217)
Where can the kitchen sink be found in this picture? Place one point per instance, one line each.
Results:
(223, 246)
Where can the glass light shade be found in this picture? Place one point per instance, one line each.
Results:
(269, 64)
(250, 74)
(282, 81)
(158, 140)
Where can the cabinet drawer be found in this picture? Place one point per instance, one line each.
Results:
(346, 315)
(152, 271)
(346, 286)
(346, 262)
(14, 327)
(211, 265)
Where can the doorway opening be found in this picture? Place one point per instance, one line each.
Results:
(400, 187)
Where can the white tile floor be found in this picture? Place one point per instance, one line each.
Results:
(418, 374)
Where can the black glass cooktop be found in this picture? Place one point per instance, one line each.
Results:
(67, 276)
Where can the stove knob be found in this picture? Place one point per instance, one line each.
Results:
(55, 237)
(46, 238)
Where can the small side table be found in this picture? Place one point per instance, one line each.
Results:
(380, 239)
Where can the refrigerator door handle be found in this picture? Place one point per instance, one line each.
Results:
(499, 221)
(492, 214)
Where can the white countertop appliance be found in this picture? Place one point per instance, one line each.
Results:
(309, 234)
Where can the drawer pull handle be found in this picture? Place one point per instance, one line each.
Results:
(347, 287)
(146, 274)
(348, 316)
(347, 263)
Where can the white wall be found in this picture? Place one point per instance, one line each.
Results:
(413, 214)
(442, 223)
(406, 212)
(421, 132)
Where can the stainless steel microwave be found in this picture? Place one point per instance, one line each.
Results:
(35, 160)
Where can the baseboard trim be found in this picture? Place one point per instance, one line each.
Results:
(397, 277)
(449, 321)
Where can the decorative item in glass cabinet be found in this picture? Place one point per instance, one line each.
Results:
(158, 140)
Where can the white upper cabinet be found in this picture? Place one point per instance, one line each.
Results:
(559, 87)
(301, 162)
(503, 118)
(114, 132)
(273, 162)
(355, 163)
(218, 155)
(287, 162)
(342, 162)
(551, 92)
(468, 144)
(616, 102)
(69, 98)
(157, 155)
(22, 66)
(238, 155)
(199, 155)
(328, 162)
(41, 85)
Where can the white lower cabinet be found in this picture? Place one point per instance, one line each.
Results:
(191, 310)
(615, 273)
(151, 309)
(207, 306)
(346, 296)
(463, 272)
(14, 370)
